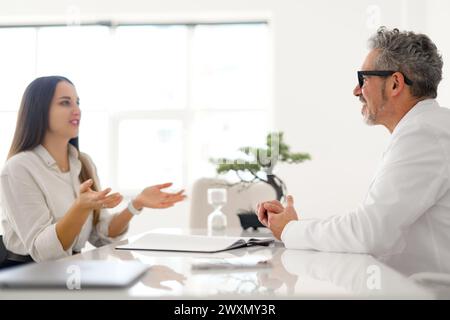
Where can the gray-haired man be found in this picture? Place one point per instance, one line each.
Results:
(405, 216)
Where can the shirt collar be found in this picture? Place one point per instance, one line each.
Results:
(417, 109)
(75, 163)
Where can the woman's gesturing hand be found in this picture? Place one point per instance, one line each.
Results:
(90, 199)
(153, 197)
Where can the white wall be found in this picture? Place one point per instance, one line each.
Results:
(317, 48)
(437, 16)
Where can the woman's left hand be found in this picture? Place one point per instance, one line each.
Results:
(153, 197)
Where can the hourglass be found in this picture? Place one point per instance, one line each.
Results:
(217, 220)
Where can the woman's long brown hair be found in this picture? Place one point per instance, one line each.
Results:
(32, 124)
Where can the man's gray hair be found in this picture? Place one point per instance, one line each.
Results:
(414, 55)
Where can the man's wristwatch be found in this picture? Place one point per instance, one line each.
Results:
(132, 209)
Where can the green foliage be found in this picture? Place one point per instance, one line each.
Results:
(262, 159)
(225, 167)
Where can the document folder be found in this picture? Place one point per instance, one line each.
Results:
(192, 243)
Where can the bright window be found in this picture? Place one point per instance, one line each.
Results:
(157, 101)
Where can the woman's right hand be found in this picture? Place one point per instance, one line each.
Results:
(90, 199)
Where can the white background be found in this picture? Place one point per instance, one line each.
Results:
(317, 47)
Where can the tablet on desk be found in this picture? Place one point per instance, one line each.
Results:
(73, 274)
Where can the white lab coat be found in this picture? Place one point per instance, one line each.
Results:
(405, 217)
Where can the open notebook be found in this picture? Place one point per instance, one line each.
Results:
(190, 243)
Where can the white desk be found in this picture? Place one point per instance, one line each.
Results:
(294, 274)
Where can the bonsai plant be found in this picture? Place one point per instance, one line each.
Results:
(260, 163)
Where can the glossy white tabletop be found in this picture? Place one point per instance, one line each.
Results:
(293, 274)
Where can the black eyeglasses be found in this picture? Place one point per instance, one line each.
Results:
(361, 75)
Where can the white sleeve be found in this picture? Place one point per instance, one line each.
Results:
(26, 209)
(99, 236)
(412, 178)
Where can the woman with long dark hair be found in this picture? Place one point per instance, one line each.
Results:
(51, 196)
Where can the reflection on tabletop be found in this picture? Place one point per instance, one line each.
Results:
(278, 276)
(438, 283)
(156, 275)
(292, 274)
(357, 273)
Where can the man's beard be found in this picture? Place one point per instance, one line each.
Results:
(371, 116)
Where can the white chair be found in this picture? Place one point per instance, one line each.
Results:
(238, 199)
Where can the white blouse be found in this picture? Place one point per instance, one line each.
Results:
(35, 195)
